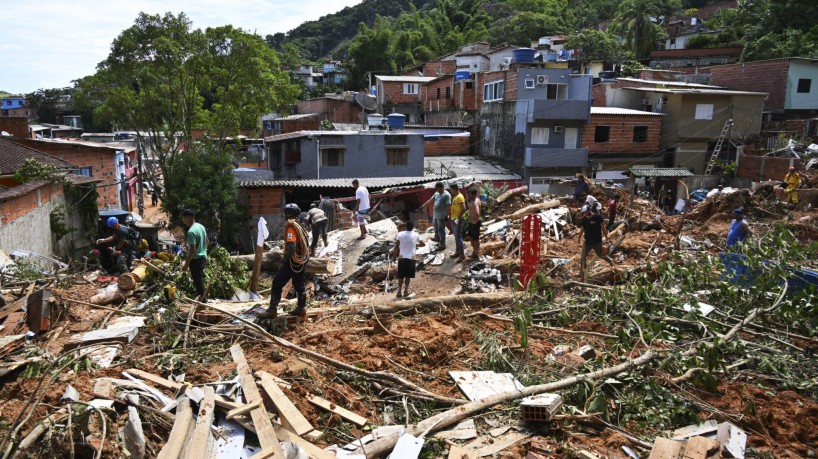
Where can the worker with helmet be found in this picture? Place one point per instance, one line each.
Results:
(789, 187)
(124, 244)
(293, 264)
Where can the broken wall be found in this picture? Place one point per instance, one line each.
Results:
(25, 220)
(760, 168)
(501, 138)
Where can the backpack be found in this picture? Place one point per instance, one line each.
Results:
(134, 238)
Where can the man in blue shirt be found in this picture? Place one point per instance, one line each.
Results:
(442, 203)
(739, 229)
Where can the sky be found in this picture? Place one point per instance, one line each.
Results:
(49, 43)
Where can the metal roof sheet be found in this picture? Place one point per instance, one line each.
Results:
(621, 111)
(700, 91)
(371, 183)
(405, 79)
(295, 117)
(671, 172)
(680, 84)
(467, 166)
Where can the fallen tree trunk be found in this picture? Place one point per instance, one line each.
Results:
(532, 209)
(440, 421)
(272, 260)
(468, 300)
(511, 192)
(490, 248)
(129, 281)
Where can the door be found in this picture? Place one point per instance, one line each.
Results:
(571, 135)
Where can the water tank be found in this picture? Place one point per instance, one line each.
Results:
(523, 55)
(374, 120)
(396, 121)
(545, 41)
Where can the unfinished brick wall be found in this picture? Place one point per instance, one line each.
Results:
(434, 94)
(761, 168)
(334, 110)
(438, 68)
(447, 146)
(621, 135)
(762, 76)
(599, 96)
(14, 208)
(392, 93)
(262, 201)
(17, 126)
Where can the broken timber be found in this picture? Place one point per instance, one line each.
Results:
(532, 209)
(272, 260)
(178, 434)
(201, 441)
(270, 447)
(468, 300)
(291, 417)
(340, 411)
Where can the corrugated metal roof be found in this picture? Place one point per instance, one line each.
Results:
(467, 166)
(700, 91)
(621, 111)
(347, 127)
(671, 172)
(295, 117)
(405, 79)
(680, 84)
(370, 183)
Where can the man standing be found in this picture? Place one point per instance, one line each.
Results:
(739, 229)
(196, 258)
(124, 245)
(475, 206)
(140, 205)
(405, 245)
(317, 221)
(592, 229)
(328, 206)
(457, 213)
(440, 215)
(581, 188)
(612, 207)
(361, 206)
(293, 265)
(789, 188)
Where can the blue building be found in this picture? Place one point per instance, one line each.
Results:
(12, 102)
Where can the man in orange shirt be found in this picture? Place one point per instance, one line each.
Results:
(293, 265)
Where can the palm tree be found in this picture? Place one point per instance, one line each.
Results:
(634, 22)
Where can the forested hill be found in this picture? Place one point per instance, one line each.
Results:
(317, 39)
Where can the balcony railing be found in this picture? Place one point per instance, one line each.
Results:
(556, 157)
(549, 109)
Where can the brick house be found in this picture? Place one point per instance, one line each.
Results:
(337, 108)
(403, 94)
(115, 165)
(618, 138)
(17, 126)
(292, 123)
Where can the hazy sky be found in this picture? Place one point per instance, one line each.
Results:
(48, 43)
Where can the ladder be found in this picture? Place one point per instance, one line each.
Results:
(725, 131)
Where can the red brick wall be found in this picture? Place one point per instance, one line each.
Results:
(334, 110)
(765, 167)
(262, 201)
(429, 92)
(15, 208)
(621, 137)
(312, 123)
(392, 93)
(439, 68)
(761, 76)
(598, 95)
(15, 125)
(447, 146)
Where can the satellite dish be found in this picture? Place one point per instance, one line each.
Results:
(451, 173)
(366, 101)
(5, 134)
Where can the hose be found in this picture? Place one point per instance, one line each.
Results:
(298, 262)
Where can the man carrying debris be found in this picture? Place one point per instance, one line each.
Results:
(592, 229)
(125, 242)
(361, 207)
(317, 221)
(581, 188)
(196, 258)
(458, 211)
(788, 191)
(591, 202)
(328, 206)
(405, 245)
(440, 216)
(475, 205)
(739, 229)
(293, 265)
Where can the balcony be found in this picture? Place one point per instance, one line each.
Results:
(551, 109)
(556, 157)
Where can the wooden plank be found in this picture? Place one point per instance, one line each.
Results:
(502, 443)
(14, 324)
(700, 448)
(201, 441)
(463, 431)
(665, 448)
(343, 412)
(261, 420)
(313, 451)
(115, 335)
(477, 385)
(221, 401)
(291, 417)
(243, 409)
(178, 434)
(457, 452)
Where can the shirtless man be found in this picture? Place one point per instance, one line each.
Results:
(474, 222)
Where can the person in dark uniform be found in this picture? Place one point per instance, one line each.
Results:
(293, 265)
(592, 229)
(123, 248)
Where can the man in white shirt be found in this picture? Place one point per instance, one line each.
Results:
(593, 204)
(361, 206)
(405, 245)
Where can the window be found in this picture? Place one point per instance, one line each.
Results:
(640, 134)
(469, 85)
(602, 134)
(410, 88)
(804, 85)
(397, 141)
(8, 102)
(332, 141)
(332, 157)
(292, 156)
(84, 171)
(438, 93)
(556, 91)
(704, 112)
(397, 157)
(529, 83)
(448, 93)
(539, 136)
(493, 91)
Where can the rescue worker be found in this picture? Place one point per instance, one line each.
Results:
(293, 265)
(122, 251)
(739, 229)
(788, 191)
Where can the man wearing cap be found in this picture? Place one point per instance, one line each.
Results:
(739, 229)
(122, 251)
(788, 191)
(592, 229)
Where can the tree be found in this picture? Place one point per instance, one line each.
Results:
(635, 22)
(167, 80)
(369, 51)
(593, 45)
(46, 104)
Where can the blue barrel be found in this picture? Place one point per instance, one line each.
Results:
(396, 121)
(522, 55)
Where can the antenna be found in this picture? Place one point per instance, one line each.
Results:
(366, 101)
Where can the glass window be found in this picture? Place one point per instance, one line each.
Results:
(704, 112)
(332, 157)
(539, 135)
(397, 157)
(410, 88)
(804, 85)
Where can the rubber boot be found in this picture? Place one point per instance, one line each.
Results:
(272, 310)
(301, 308)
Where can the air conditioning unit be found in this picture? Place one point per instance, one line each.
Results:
(542, 80)
(597, 166)
(645, 101)
(507, 60)
(557, 128)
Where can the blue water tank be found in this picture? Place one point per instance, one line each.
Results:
(462, 75)
(396, 121)
(523, 55)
